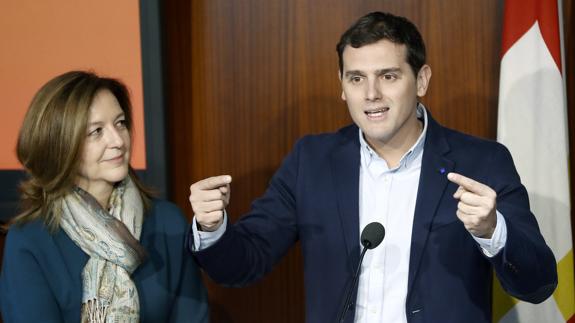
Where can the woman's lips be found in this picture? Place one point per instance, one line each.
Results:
(117, 159)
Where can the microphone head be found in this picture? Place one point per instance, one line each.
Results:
(372, 235)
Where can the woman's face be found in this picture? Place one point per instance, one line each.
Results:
(106, 154)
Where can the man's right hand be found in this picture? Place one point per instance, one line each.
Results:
(209, 197)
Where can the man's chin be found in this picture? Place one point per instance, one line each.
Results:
(379, 137)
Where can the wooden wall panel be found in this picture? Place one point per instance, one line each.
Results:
(245, 79)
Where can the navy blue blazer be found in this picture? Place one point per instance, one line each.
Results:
(313, 198)
(41, 273)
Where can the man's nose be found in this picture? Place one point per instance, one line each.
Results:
(373, 90)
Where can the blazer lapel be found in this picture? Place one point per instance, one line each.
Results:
(345, 162)
(432, 184)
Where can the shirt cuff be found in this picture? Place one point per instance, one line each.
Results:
(204, 239)
(491, 247)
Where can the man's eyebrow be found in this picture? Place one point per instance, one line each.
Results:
(388, 70)
(354, 73)
(377, 72)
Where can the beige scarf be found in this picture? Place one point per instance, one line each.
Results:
(110, 238)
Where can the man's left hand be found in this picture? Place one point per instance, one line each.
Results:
(477, 205)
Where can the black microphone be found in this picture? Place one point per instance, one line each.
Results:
(371, 236)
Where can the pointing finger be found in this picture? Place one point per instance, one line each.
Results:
(469, 184)
(211, 183)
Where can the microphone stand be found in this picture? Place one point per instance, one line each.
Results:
(350, 288)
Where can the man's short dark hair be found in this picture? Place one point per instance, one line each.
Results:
(376, 26)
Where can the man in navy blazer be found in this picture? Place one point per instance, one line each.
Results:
(452, 204)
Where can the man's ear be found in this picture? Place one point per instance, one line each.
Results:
(341, 81)
(423, 79)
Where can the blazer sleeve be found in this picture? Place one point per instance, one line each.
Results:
(25, 292)
(250, 248)
(526, 267)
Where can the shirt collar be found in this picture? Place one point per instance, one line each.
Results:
(369, 155)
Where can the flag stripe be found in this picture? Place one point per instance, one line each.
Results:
(565, 290)
(520, 17)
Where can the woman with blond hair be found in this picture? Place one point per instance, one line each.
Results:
(90, 243)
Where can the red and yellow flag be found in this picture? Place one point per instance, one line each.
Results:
(532, 123)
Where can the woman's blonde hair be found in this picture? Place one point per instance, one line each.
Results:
(52, 137)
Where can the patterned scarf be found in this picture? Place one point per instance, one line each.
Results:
(110, 238)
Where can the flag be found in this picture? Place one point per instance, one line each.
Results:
(532, 123)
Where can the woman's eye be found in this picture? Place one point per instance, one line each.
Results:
(122, 123)
(96, 132)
